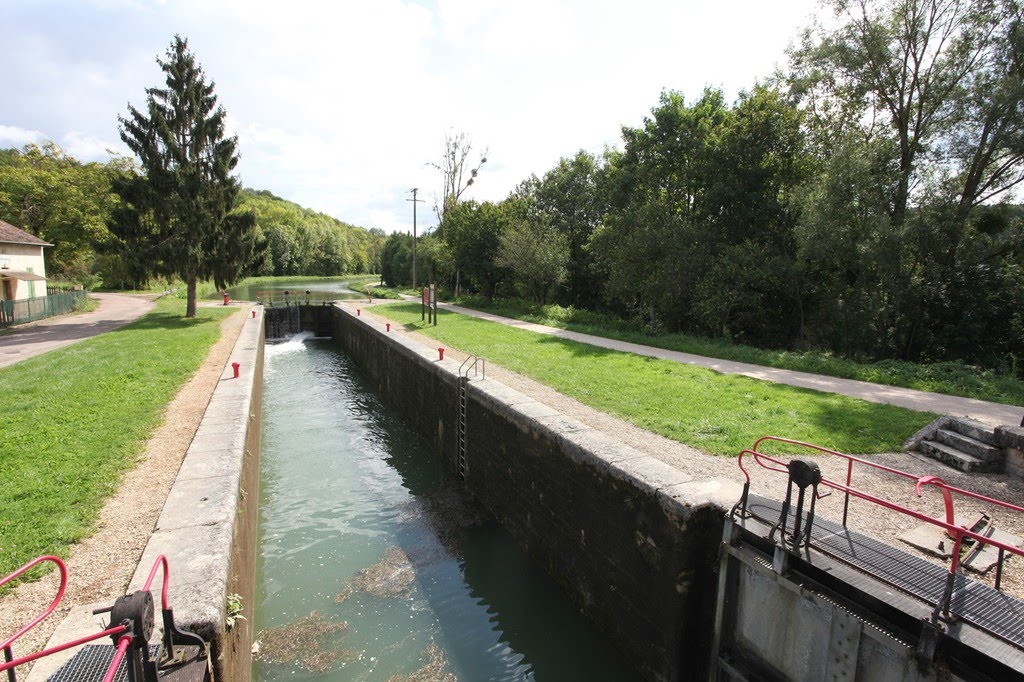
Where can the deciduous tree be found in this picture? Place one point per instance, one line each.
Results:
(458, 171)
(569, 195)
(534, 250)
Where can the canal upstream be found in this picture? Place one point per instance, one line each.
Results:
(373, 565)
(263, 290)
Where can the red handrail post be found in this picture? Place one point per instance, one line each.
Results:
(947, 498)
(6, 644)
(122, 646)
(846, 495)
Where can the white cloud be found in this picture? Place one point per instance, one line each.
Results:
(86, 147)
(388, 221)
(13, 136)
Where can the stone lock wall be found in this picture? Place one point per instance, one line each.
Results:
(1011, 438)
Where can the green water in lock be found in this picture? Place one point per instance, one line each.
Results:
(360, 524)
(334, 289)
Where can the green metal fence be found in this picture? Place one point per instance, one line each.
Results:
(29, 309)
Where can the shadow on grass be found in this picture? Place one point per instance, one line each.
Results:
(168, 321)
(583, 350)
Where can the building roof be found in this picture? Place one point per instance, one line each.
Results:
(12, 235)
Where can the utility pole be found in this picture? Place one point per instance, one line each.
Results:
(414, 201)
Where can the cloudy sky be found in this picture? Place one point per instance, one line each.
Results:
(339, 106)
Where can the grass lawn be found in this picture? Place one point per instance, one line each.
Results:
(950, 378)
(75, 419)
(717, 413)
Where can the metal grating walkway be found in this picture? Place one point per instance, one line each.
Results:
(91, 662)
(985, 607)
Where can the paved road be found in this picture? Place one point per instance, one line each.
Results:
(989, 413)
(114, 310)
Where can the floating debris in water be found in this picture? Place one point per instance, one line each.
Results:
(434, 671)
(303, 642)
(390, 577)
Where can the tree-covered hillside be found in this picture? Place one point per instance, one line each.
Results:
(304, 242)
(52, 195)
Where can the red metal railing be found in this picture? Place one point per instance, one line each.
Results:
(10, 663)
(6, 644)
(160, 561)
(947, 523)
(123, 642)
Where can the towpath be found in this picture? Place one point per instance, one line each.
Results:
(29, 340)
(986, 412)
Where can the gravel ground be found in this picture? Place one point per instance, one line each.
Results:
(865, 517)
(100, 567)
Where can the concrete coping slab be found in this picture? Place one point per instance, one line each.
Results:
(682, 498)
(231, 441)
(1010, 437)
(496, 392)
(200, 502)
(199, 560)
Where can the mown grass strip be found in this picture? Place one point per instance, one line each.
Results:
(950, 378)
(719, 414)
(73, 420)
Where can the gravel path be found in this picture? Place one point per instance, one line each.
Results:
(100, 567)
(114, 310)
(986, 412)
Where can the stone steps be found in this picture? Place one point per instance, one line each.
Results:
(969, 445)
(961, 443)
(955, 458)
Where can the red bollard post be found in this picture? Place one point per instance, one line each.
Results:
(235, 366)
(358, 311)
(254, 314)
(389, 326)
(440, 353)
(226, 298)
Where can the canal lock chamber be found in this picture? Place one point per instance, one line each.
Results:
(631, 542)
(373, 560)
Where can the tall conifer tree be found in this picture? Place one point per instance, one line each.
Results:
(180, 221)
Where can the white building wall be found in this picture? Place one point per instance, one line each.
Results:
(27, 258)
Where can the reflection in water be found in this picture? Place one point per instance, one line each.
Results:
(359, 525)
(319, 288)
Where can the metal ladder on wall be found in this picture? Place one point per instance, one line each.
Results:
(477, 367)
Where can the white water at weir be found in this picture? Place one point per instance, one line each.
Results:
(292, 345)
(373, 565)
